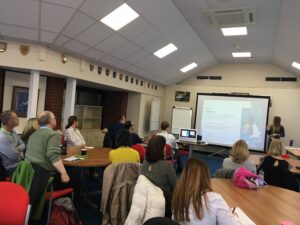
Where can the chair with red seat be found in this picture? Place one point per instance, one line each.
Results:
(169, 152)
(53, 195)
(14, 204)
(140, 149)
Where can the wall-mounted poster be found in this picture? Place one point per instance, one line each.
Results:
(19, 102)
(182, 96)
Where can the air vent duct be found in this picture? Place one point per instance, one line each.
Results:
(282, 79)
(209, 77)
(202, 77)
(231, 17)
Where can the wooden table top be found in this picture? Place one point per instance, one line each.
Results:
(97, 157)
(293, 162)
(266, 205)
(293, 151)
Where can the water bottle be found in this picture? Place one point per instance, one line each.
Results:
(261, 178)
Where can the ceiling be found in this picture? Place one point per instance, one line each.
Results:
(73, 26)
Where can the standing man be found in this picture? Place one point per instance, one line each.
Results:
(44, 149)
(115, 128)
(11, 146)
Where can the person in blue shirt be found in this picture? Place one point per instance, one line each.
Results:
(11, 145)
(115, 128)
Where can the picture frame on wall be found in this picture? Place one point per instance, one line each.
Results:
(19, 103)
(182, 96)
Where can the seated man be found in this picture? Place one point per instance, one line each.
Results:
(135, 138)
(170, 139)
(44, 149)
(123, 153)
(11, 146)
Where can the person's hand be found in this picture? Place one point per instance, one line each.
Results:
(104, 131)
(65, 178)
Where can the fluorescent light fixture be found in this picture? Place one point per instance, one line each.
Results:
(120, 17)
(188, 67)
(241, 54)
(296, 65)
(234, 31)
(165, 50)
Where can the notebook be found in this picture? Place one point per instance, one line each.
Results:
(188, 135)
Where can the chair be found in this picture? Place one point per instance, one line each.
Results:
(14, 204)
(53, 195)
(169, 152)
(119, 180)
(3, 173)
(140, 149)
(160, 221)
(224, 173)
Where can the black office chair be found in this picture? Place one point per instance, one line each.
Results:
(160, 221)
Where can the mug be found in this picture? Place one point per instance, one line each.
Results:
(63, 149)
(84, 151)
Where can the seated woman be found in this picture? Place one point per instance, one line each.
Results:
(30, 126)
(276, 169)
(123, 153)
(73, 136)
(161, 173)
(239, 157)
(135, 138)
(194, 202)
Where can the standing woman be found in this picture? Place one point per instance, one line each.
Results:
(31, 126)
(276, 130)
(194, 202)
(72, 134)
(160, 172)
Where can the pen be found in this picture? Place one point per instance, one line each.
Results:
(233, 210)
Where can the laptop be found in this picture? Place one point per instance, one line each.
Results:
(188, 135)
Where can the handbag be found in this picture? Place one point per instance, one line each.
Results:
(245, 179)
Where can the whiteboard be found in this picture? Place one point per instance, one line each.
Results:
(154, 116)
(181, 118)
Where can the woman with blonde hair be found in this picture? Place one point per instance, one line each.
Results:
(31, 126)
(239, 157)
(194, 202)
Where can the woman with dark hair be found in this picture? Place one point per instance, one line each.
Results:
(194, 202)
(276, 130)
(123, 153)
(135, 138)
(161, 173)
(73, 136)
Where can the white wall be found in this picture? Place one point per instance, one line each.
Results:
(247, 78)
(22, 80)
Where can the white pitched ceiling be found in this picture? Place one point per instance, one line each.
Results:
(73, 26)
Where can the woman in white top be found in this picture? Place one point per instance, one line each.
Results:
(73, 136)
(194, 202)
(239, 157)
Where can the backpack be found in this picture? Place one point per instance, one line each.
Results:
(62, 215)
(245, 179)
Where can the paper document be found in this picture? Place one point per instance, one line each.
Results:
(242, 217)
(73, 158)
(89, 147)
(292, 148)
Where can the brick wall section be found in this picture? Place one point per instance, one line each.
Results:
(54, 97)
(2, 81)
(114, 103)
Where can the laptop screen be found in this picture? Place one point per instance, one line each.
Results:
(188, 135)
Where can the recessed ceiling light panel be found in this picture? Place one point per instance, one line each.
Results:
(188, 67)
(296, 65)
(120, 17)
(234, 31)
(168, 49)
(241, 54)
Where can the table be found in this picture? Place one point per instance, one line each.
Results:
(97, 157)
(294, 162)
(190, 145)
(293, 151)
(266, 205)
